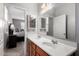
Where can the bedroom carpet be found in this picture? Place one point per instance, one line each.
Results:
(18, 51)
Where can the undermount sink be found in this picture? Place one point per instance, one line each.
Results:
(50, 44)
(47, 43)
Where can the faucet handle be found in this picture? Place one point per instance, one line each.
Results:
(54, 41)
(39, 36)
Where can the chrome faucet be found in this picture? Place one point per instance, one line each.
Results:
(54, 42)
(39, 36)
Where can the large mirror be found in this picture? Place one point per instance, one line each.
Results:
(43, 24)
(56, 22)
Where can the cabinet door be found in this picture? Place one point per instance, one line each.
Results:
(41, 52)
(32, 52)
(37, 54)
(28, 47)
(33, 45)
(32, 48)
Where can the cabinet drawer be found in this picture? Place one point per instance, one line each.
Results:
(41, 52)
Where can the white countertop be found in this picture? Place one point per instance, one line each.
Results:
(59, 49)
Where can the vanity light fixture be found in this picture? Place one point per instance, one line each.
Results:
(46, 6)
(43, 5)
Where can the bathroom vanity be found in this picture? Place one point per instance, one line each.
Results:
(42, 46)
(34, 50)
(51, 36)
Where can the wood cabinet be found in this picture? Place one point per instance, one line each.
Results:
(28, 47)
(41, 52)
(34, 50)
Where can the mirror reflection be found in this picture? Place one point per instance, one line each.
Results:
(14, 31)
(31, 23)
(55, 22)
(51, 25)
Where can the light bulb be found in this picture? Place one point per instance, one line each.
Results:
(43, 5)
